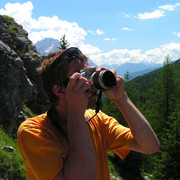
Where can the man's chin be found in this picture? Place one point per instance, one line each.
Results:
(91, 105)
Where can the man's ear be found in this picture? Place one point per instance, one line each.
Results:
(57, 90)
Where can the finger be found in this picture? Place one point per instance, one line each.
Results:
(85, 88)
(73, 80)
(119, 81)
(102, 68)
(114, 72)
(81, 82)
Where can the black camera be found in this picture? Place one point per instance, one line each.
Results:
(99, 80)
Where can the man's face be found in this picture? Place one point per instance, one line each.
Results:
(77, 66)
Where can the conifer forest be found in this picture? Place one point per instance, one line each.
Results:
(157, 96)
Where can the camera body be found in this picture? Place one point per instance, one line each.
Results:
(99, 80)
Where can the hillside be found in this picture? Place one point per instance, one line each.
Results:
(11, 162)
(146, 81)
(157, 96)
(20, 83)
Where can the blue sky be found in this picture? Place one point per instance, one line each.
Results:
(111, 32)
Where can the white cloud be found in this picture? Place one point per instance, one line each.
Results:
(91, 32)
(118, 56)
(158, 54)
(121, 56)
(99, 32)
(45, 27)
(20, 12)
(126, 15)
(177, 34)
(109, 39)
(55, 28)
(169, 7)
(152, 15)
(126, 29)
(88, 49)
(160, 12)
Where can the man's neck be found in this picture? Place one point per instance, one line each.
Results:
(61, 113)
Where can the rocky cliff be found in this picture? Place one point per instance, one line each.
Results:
(20, 83)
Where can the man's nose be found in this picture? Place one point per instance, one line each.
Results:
(87, 65)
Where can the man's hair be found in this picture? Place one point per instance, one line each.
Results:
(54, 70)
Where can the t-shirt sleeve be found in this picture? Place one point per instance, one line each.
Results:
(41, 154)
(118, 137)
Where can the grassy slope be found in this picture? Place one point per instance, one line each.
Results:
(11, 163)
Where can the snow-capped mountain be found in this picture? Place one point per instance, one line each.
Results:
(47, 45)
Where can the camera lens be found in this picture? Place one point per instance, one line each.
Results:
(103, 79)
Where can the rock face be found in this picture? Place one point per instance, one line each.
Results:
(20, 83)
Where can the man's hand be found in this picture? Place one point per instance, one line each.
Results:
(116, 92)
(81, 160)
(77, 93)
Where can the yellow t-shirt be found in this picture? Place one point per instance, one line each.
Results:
(44, 148)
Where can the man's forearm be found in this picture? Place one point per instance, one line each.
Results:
(81, 160)
(144, 137)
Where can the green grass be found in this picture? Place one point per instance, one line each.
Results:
(13, 27)
(8, 18)
(11, 163)
(28, 112)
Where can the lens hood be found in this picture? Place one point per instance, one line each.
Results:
(103, 79)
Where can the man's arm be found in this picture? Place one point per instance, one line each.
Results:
(144, 138)
(81, 161)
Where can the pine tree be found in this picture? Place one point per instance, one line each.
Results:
(63, 43)
(167, 161)
(128, 86)
(130, 89)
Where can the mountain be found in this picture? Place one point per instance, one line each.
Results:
(146, 81)
(135, 69)
(47, 45)
(92, 63)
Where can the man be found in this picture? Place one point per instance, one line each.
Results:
(69, 142)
